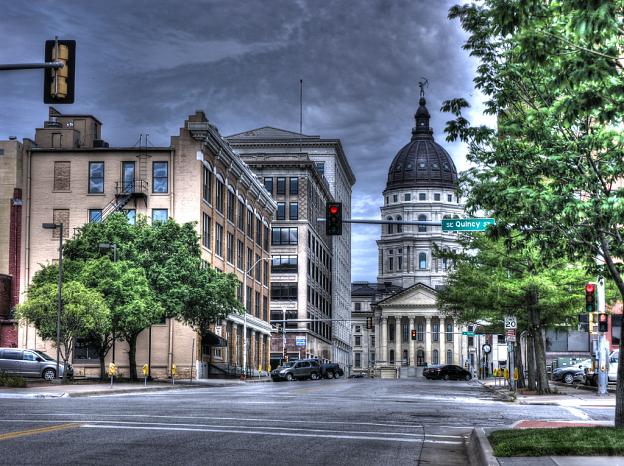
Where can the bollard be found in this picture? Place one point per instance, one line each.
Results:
(145, 372)
(112, 372)
(174, 370)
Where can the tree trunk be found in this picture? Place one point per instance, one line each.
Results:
(102, 366)
(518, 363)
(540, 362)
(132, 356)
(530, 357)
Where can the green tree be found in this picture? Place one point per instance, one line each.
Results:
(552, 73)
(83, 311)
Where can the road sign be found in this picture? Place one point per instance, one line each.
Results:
(300, 341)
(510, 334)
(466, 224)
(468, 334)
(511, 322)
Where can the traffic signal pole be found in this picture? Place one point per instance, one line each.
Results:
(602, 355)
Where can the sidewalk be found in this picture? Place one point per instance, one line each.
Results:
(54, 390)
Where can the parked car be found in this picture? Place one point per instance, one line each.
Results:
(568, 375)
(331, 370)
(446, 372)
(300, 370)
(31, 363)
(591, 376)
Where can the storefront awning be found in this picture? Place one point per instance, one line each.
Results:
(213, 340)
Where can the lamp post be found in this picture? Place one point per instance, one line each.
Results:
(245, 317)
(59, 304)
(112, 246)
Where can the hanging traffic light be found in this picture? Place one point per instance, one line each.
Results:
(413, 334)
(333, 218)
(590, 297)
(603, 323)
(58, 83)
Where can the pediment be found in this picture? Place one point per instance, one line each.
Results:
(416, 295)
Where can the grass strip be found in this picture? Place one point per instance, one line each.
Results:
(564, 441)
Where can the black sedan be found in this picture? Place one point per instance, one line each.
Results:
(569, 375)
(447, 372)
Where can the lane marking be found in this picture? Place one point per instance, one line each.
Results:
(279, 434)
(577, 413)
(41, 430)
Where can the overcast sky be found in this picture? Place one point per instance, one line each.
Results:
(143, 66)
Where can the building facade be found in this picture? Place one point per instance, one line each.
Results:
(324, 263)
(74, 177)
(409, 328)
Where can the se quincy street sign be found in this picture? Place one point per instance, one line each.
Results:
(466, 224)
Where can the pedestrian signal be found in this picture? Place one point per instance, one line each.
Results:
(603, 323)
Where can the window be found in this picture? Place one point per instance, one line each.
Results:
(231, 206)
(95, 215)
(83, 349)
(250, 223)
(284, 264)
(449, 332)
(281, 211)
(399, 227)
(358, 359)
(436, 196)
(96, 176)
(390, 226)
(358, 340)
(207, 185)
(281, 185)
(320, 166)
(449, 357)
(391, 264)
(219, 196)
(294, 186)
(449, 198)
(239, 255)
(206, 228)
(408, 197)
(422, 228)
(422, 196)
(229, 248)
(258, 267)
(358, 329)
(372, 358)
(266, 238)
(265, 308)
(258, 231)
(160, 177)
(265, 272)
(293, 211)
(422, 260)
(395, 198)
(131, 214)
(268, 184)
(241, 215)
(420, 332)
(249, 262)
(218, 239)
(284, 236)
(62, 172)
(248, 300)
(257, 304)
(435, 331)
(283, 291)
(358, 306)
(400, 263)
(436, 357)
(239, 292)
(405, 332)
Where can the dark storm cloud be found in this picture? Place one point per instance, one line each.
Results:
(143, 66)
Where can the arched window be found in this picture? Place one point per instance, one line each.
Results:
(422, 228)
(391, 356)
(436, 357)
(390, 226)
(449, 357)
(399, 227)
(422, 260)
(420, 358)
(405, 361)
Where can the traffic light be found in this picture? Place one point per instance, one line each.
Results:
(590, 297)
(603, 323)
(333, 218)
(369, 323)
(413, 334)
(58, 84)
(583, 322)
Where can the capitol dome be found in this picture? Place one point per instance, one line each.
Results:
(422, 163)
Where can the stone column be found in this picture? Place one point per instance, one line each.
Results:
(442, 341)
(456, 344)
(410, 342)
(398, 331)
(428, 340)
(377, 340)
(234, 345)
(384, 340)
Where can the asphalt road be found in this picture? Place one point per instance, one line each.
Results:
(358, 421)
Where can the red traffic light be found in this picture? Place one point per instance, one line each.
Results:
(333, 209)
(602, 317)
(590, 288)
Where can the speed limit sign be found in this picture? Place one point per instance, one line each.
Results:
(511, 322)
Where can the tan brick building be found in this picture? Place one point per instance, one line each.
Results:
(74, 177)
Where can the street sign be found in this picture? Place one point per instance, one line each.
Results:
(510, 334)
(468, 334)
(218, 330)
(300, 341)
(466, 224)
(511, 322)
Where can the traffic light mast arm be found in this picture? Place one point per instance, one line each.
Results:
(388, 222)
(55, 65)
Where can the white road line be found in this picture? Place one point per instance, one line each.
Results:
(218, 418)
(577, 413)
(280, 434)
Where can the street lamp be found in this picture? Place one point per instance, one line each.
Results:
(59, 303)
(245, 294)
(112, 246)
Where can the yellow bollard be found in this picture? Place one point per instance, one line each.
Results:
(516, 374)
(145, 372)
(174, 370)
(112, 372)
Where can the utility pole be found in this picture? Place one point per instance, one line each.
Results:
(602, 347)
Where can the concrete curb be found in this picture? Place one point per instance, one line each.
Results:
(502, 396)
(479, 450)
(588, 388)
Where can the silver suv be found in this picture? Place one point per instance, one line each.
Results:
(30, 363)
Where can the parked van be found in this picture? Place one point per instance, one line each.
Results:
(30, 363)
